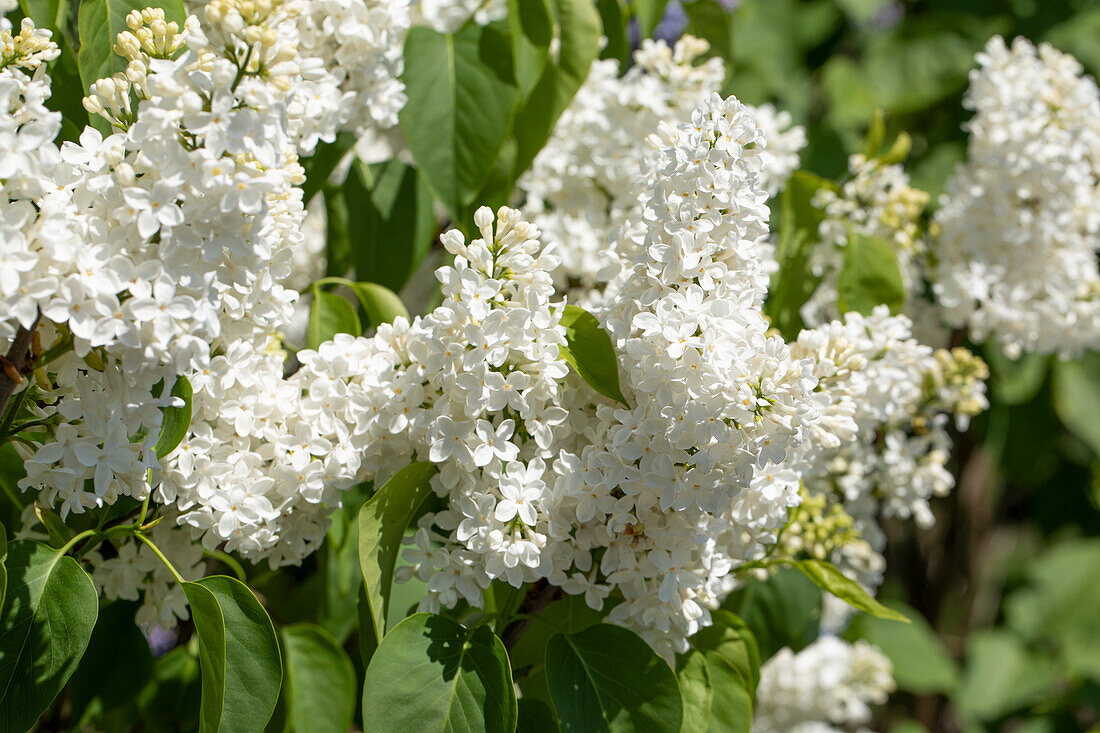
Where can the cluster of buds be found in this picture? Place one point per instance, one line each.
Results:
(151, 36)
(250, 29)
(956, 383)
(29, 49)
(817, 528)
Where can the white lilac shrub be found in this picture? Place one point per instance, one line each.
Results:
(154, 261)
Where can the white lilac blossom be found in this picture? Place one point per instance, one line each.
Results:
(1020, 222)
(580, 188)
(691, 480)
(876, 201)
(900, 396)
(830, 685)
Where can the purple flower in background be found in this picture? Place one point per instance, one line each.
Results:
(161, 641)
(672, 23)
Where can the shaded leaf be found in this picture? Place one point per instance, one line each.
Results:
(382, 523)
(176, 419)
(433, 674)
(606, 678)
(390, 224)
(319, 682)
(330, 314)
(46, 623)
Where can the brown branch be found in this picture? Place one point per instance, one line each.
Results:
(541, 595)
(16, 365)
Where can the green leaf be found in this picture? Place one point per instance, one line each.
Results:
(176, 419)
(579, 30)
(242, 670)
(783, 611)
(44, 13)
(330, 314)
(731, 706)
(588, 350)
(338, 565)
(47, 620)
(116, 665)
(462, 96)
(3, 566)
(535, 716)
(382, 523)
(567, 615)
(100, 22)
(320, 165)
(732, 639)
(794, 282)
(695, 692)
(615, 15)
(1002, 676)
(709, 20)
(390, 222)
(606, 678)
(319, 684)
(921, 664)
(172, 699)
(1059, 604)
(433, 674)
(870, 276)
(532, 30)
(381, 304)
(829, 578)
(1077, 397)
(648, 13)
(1016, 381)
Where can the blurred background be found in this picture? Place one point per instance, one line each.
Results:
(1008, 580)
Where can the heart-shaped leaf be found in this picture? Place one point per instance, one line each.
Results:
(433, 674)
(606, 678)
(47, 620)
(242, 670)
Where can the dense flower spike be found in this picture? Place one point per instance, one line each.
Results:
(1019, 227)
(581, 187)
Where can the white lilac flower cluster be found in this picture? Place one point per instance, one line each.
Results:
(581, 187)
(876, 201)
(902, 396)
(827, 687)
(350, 66)
(338, 62)
(186, 215)
(691, 480)
(475, 387)
(1020, 222)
